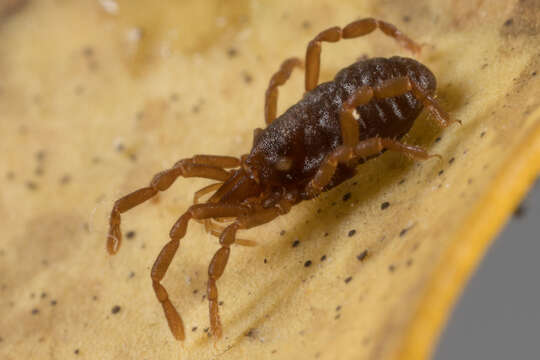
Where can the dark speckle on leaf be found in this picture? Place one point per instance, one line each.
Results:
(65, 179)
(296, 243)
(409, 262)
(509, 22)
(362, 255)
(352, 233)
(35, 311)
(323, 257)
(40, 155)
(88, 51)
(348, 279)
(115, 309)
(385, 205)
(403, 232)
(31, 185)
(392, 268)
(441, 172)
(232, 52)
(347, 196)
(247, 77)
(130, 234)
(307, 263)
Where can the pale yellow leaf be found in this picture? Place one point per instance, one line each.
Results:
(97, 96)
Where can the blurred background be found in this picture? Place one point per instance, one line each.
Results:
(497, 316)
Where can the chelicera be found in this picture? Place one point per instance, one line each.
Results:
(311, 148)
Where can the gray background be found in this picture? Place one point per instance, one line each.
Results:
(498, 316)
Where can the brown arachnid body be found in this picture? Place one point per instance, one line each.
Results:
(314, 146)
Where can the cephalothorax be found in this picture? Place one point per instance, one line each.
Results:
(315, 145)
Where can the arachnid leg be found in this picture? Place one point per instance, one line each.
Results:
(205, 190)
(216, 230)
(352, 147)
(411, 151)
(205, 166)
(353, 30)
(199, 211)
(401, 85)
(196, 200)
(219, 261)
(363, 150)
(431, 104)
(279, 78)
(350, 131)
(390, 88)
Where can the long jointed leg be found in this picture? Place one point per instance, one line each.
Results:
(352, 147)
(211, 227)
(279, 78)
(362, 149)
(199, 211)
(401, 85)
(219, 261)
(205, 166)
(353, 30)
(390, 88)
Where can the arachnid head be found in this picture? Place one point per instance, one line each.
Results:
(277, 156)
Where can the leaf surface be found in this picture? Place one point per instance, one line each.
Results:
(96, 97)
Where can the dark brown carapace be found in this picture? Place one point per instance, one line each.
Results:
(314, 146)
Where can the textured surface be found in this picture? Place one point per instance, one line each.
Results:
(97, 96)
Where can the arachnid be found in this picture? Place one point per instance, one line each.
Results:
(314, 146)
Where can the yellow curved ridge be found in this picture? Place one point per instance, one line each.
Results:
(470, 245)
